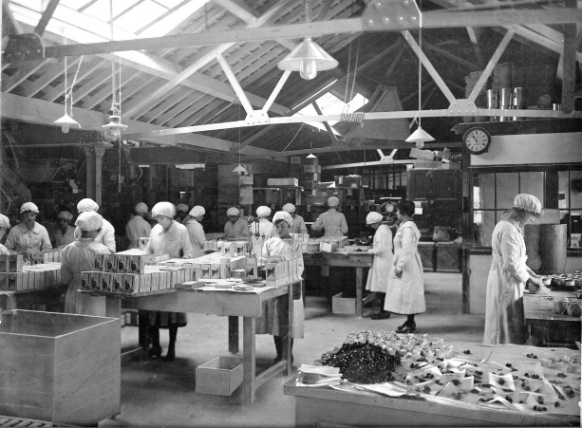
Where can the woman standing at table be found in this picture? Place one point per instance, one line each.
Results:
(167, 237)
(28, 235)
(378, 275)
(4, 226)
(509, 275)
(196, 231)
(405, 291)
(79, 256)
(274, 315)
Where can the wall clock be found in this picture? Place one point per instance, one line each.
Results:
(477, 140)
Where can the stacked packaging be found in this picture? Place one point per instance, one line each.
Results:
(283, 269)
(15, 276)
(210, 266)
(227, 248)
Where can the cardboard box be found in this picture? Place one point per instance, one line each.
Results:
(343, 305)
(85, 280)
(99, 259)
(15, 263)
(109, 263)
(245, 180)
(123, 262)
(289, 181)
(219, 376)
(205, 271)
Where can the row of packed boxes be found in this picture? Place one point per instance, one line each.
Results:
(283, 269)
(227, 248)
(31, 277)
(153, 279)
(210, 266)
(127, 263)
(16, 262)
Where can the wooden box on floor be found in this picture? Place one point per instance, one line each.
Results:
(219, 376)
(343, 305)
(57, 367)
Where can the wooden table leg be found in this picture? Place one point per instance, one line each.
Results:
(359, 292)
(287, 339)
(249, 364)
(233, 335)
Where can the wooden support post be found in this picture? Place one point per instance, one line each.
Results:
(569, 64)
(90, 165)
(99, 152)
(233, 335)
(359, 292)
(249, 368)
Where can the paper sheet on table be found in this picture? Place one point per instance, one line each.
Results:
(321, 370)
(386, 388)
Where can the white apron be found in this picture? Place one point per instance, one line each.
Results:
(405, 295)
(504, 317)
(378, 274)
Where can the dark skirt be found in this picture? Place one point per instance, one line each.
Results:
(167, 319)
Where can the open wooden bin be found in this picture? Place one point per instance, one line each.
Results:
(59, 367)
(343, 305)
(219, 376)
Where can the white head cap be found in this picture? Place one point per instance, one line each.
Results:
(290, 208)
(87, 204)
(164, 208)
(66, 214)
(232, 211)
(4, 221)
(197, 211)
(263, 211)
(528, 203)
(283, 215)
(374, 217)
(28, 206)
(141, 207)
(333, 201)
(89, 221)
(182, 207)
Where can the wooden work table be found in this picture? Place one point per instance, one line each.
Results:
(325, 406)
(343, 258)
(231, 303)
(546, 326)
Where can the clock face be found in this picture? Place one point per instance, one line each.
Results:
(477, 140)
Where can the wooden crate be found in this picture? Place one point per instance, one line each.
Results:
(57, 367)
(219, 376)
(343, 305)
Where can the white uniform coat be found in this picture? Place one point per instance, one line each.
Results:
(265, 230)
(21, 240)
(298, 225)
(77, 257)
(4, 250)
(380, 270)
(333, 222)
(239, 229)
(405, 295)
(504, 318)
(273, 310)
(197, 238)
(137, 228)
(106, 236)
(66, 239)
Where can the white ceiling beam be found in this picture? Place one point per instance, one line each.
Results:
(51, 74)
(45, 113)
(239, 9)
(22, 74)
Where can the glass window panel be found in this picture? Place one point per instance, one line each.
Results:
(576, 189)
(563, 194)
(486, 185)
(140, 16)
(507, 188)
(484, 229)
(532, 183)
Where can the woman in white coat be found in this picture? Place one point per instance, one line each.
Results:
(262, 230)
(509, 275)
(273, 316)
(4, 226)
(378, 275)
(405, 292)
(196, 231)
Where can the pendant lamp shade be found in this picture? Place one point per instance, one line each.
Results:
(419, 136)
(114, 127)
(308, 58)
(311, 156)
(66, 122)
(240, 169)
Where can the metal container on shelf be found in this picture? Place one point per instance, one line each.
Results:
(517, 102)
(493, 102)
(505, 102)
(556, 106)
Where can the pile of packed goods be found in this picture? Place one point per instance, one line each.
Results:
(30, 271)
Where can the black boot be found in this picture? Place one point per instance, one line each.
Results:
(171, 355)
(156, 349)
(279, 347)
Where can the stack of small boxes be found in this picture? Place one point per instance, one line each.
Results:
(45, 256)
(132, 274)
(15, 276)
(283, 269)
(210, 266)
(227, 248)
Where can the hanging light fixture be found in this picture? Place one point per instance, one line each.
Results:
(420, 136)
(308, 57)
(114, 127)
(67, 122)
(239, 169)
(311, 155)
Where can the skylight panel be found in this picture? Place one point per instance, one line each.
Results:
(168, 23)
(100, 9)
(169, 4)
(331, 105)
(140, 16)
(74, 4)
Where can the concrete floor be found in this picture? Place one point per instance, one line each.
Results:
(160, 393)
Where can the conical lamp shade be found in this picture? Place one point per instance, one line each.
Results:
(66, 122)
(311, 156)
(240, 169)
(419, 136)
(308, 58)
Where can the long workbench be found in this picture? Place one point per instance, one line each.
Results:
(323, 406)
(357, 260)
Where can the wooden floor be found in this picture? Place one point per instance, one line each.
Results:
(6, 421)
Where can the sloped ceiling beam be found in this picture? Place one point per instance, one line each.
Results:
(42, 112)
(436, 19)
